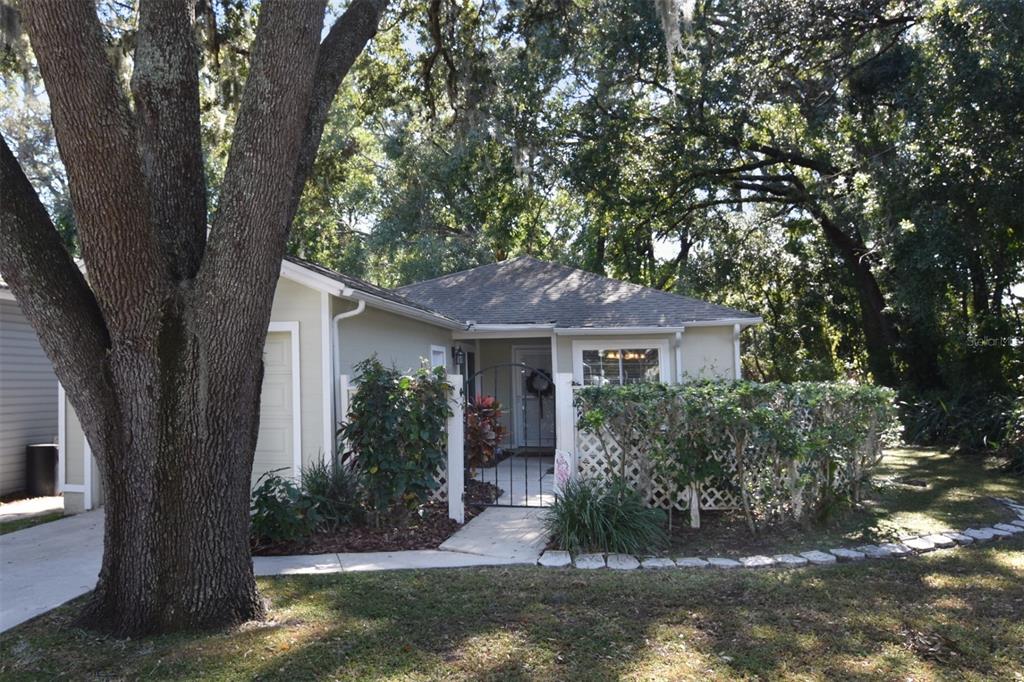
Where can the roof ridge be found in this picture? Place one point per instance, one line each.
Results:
(465, 270)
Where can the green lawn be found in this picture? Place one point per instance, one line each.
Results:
(11, 526)
(958, 495)
(954, 614)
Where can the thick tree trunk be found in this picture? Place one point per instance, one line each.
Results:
(161, 351)
(176, 552)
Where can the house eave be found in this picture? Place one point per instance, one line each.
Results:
(306, 277)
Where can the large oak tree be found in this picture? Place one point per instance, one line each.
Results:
(160, 346)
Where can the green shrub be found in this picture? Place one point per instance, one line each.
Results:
(396, 433)
(787, 451)
(588, 516)
(334, 490)
(280, 511)
(970, 420)
(1011, 445)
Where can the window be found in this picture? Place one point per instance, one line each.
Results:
(438, 357)
(625, 362)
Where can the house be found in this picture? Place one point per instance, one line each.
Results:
(28, 393)
(507, 328)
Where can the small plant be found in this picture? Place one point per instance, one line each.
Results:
(590, 517)
(280, 510)
(484, 431)
(334, 490)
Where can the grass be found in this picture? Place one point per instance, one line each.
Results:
(957, 495)
(954, 614)
(19, 524)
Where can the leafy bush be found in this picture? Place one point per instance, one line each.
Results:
(396, 433)
(792, 451)
(484, 430)
(971, 420)
(1011, 445)
(280, 510)
(334, 490)
(589, 516)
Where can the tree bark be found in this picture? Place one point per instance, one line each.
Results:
(880, 336)
(160, 352)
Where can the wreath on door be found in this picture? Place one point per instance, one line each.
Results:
(539, 383)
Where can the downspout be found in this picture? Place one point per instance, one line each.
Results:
(679, 356)
(336, 345)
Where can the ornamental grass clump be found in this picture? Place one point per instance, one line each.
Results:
(591, 516)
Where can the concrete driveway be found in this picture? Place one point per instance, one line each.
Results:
(44, 566)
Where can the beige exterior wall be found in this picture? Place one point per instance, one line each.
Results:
(708, 353)
(398, 341)
(297, 303)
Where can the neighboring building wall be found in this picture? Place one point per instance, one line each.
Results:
(28, 395)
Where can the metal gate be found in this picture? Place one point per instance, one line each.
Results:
(510, 436)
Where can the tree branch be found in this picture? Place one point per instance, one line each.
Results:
(165, 83)
(248, 235)
(96, 138)
(338, 52)
(53, 294)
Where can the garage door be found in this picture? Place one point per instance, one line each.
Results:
(275, 443)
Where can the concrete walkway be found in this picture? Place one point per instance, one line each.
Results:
(30, 507)
(524, 481)
(512, 533)
(44, 566)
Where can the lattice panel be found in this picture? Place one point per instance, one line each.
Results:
(440, 493)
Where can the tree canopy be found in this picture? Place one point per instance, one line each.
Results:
(852, 170)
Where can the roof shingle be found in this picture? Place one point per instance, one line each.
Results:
(526, 290)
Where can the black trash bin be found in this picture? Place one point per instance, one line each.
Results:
(41, 470)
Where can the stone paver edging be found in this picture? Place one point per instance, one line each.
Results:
(815, 557)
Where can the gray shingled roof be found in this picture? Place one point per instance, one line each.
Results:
(365, 287)
(526, 290)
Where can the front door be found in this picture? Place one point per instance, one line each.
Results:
(535, 418)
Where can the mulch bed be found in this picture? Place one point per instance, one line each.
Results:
(426, 530)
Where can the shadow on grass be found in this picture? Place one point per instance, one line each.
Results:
(957, 613)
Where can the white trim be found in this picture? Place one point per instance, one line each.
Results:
(87, 457)
(293, 328)
(456, 458)
(737, 365)
(62, 443)
(313, 280)
(554, 356)
(611, 343)
(444, 356)
(326, 378)
(6, 295)
(62, 439)
(323, 283)
(474, 327)
(621, 331)
(538, 333)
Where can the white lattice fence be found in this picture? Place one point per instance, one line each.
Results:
(602, 461)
